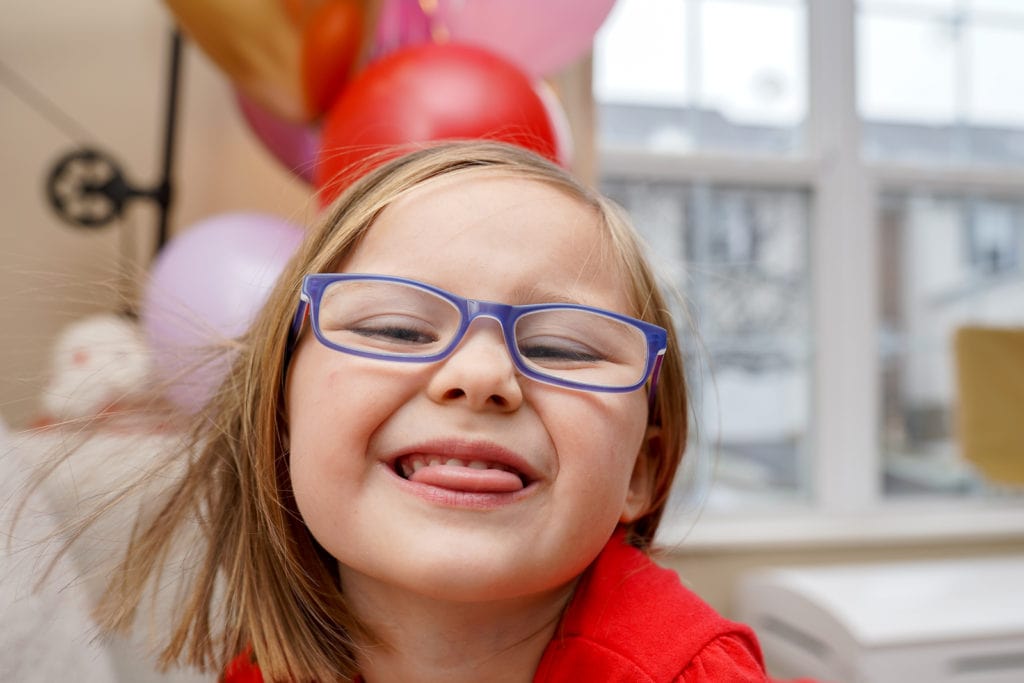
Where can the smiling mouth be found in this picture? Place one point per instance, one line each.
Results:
(459, 474)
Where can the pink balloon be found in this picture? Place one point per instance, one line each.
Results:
(295, 145)
(400, 23)
(205, 288)
(541, 36)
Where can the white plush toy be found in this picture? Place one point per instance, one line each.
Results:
(98, 362)
(31, 622)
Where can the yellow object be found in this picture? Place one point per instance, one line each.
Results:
(990, 375)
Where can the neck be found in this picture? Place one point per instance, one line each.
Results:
(435, 641)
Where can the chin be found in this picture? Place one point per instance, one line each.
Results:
(483, 587)
(470, 577)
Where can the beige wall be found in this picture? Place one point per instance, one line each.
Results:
(713, 573)
(105, 68)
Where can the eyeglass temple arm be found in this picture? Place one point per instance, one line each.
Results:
(294, 331)
(652, 393)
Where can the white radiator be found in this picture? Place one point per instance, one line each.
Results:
(945, 621)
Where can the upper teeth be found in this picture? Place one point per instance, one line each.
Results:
(415, 463)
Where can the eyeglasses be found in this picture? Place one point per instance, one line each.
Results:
(396, 319)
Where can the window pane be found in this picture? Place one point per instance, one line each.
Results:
(947, 263)
(640, 54)
(997, 90)
(916, 5)
(752, 57)
(936, 80)
(739, 257)
(1008, 8)
(906, 69)
(680, 75)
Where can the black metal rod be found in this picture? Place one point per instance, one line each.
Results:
(164, 190)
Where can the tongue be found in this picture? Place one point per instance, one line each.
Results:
(457, 478)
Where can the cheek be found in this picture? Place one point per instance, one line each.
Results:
(321, 431)
(597, 437)
(327, 444)
(335, 403)
(330, 393)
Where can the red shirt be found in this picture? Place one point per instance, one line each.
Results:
(633, 621)
(630, 621)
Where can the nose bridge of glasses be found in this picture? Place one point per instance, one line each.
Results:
(497, 312)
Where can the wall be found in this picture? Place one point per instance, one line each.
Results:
(713, 573)
(73, 74)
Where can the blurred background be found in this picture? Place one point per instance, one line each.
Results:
(836, 188)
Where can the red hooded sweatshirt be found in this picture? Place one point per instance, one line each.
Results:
(630, 621)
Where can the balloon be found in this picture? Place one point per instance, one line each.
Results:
(297, 10)
(331, 40)
(295, 145)
(400, 23)
(541, 36)
(425, 93)
(205, 287)
(255, 44)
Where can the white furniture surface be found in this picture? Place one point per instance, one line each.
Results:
(945, 621)
(46, 633)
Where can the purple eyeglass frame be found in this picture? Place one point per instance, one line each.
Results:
(314, 285)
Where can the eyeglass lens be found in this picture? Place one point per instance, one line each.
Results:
(403, 321)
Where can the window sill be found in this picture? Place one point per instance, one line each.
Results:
(887, 524)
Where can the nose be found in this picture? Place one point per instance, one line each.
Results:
(479, 373)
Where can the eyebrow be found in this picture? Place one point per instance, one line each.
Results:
(533, 295)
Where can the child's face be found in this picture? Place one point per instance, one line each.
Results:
(490, 237)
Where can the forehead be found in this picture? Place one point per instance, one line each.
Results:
(488, 233)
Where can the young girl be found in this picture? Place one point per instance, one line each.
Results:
(443, 451)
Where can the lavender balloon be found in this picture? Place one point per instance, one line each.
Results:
(205, 288)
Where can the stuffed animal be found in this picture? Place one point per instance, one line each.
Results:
(99, 364)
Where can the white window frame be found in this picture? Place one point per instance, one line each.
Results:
(846, 505)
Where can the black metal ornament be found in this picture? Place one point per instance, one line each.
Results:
(87, 188)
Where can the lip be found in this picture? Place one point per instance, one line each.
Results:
(465, 450)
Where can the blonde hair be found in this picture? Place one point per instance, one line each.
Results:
(261, 581)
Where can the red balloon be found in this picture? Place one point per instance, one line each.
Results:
(331, 39)
(426, 93)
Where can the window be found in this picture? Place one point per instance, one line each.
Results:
(947, 261)
(739, 256)
(678, 75)
(935, 82)
(675, 79)
(836, 188)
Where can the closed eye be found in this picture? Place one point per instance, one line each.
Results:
(547, 352)
(394, 333)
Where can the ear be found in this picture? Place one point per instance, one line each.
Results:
(641, 483)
